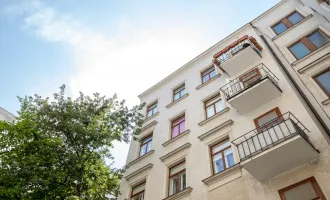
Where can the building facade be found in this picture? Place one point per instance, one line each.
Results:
(247, 119)
(5, 115)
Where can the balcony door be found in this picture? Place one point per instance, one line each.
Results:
(249, 78)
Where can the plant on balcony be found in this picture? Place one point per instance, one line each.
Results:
(61, 148)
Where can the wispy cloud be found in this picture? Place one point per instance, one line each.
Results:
(127, 63)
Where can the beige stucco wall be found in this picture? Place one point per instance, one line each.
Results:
(5, 115)
(198, 161)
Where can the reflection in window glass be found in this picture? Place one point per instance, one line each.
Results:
(318, 39)
(324, 81)
(295, 18)
(279, 28)
(299, 50)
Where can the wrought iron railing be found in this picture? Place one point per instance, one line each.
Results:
(270, 134)
(247, 80)
(235, 48)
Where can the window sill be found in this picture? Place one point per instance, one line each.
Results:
(224, 177)
(326, 102)
(175, 151)
(217, 128)
(292, 27)
(176, 138)
(209, 81)
(152, 116)
(180, 194)
(139, 171)
(176, 101)
(309, 55)
(214, 116)
(140, 158)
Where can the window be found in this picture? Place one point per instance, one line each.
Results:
(179, 92)
(177, 178)
(214, 105)
(323, 80)
(307, 189)
(287, 22)
(152, 109)
(208, 74)
(309, 44)
(138, 192)
(250, 78)
(268, 119)
(222, 156)
(146, 144)
(178, 126)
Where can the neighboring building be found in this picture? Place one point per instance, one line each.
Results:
(262, 135)
(5, 115)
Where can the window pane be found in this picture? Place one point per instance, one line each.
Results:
(302, 192)
(179, 89)
(299, 50)
(318, 39)
(143, 149)
(219, 106)
(212, 74)
(149, 146)
(210, 111)
(175, 131)
(183, 92)
(145, 140)
(183, 181)
(279, 28)
(270, 116)
(229, 157)
(183, 127)
(205, 78)
(220, 146)
(218, 163)
(324, 80)
(173, 185)
(149, 113)
(155, 110)
(176, 96)
(138, 189)
(177, 168)
(295, 18)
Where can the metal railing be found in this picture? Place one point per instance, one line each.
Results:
(270, 134)
(247, 80)
(234, 49)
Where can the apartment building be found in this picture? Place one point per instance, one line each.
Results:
(5, 115)
(240, 121)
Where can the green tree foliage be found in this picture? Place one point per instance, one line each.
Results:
(60, 149)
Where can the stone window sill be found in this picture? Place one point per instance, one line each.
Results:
(140, 158)
(326, 102)
(180, 194)
(176, 101)
(228, 175)
(214, 116)
(311, 54)
(176, 138)
(203, 84)
(151, 117)
(292, 27)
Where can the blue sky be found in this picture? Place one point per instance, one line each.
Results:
(107, 46)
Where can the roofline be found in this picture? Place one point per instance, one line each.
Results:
(207, 51)
(6, 112)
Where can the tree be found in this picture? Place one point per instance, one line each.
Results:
(58, 149)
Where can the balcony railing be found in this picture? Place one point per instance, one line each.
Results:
(247, 80)
(270, 134)
(235, 48)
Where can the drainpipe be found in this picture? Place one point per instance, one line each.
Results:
(317, 116)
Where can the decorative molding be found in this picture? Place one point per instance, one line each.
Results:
(217, 128)
(180, 194)
(311, 54)
(176, 101)
(140, 158)
(151, 124)
(209, 81)
(175, 151)
(315, 62)
(176, 138)
(154, 115)
(139, 171)
(292, 27)
(214, 116)
(222, 175)
(326, 102)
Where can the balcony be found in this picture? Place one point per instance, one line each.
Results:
(277, 146)
(238, 56)
(252, 89)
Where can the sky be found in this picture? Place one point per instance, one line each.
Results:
(108, 46)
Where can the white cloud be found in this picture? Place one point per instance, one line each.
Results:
(127, 63)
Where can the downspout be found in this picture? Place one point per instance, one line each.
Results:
(318, 117)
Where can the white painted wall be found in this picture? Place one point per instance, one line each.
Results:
(5, 115)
